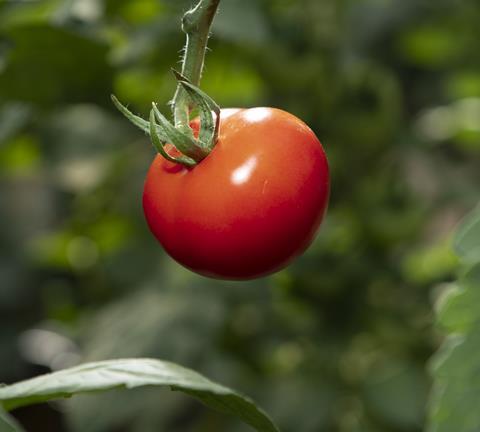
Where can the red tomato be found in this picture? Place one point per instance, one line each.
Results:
(251, 206)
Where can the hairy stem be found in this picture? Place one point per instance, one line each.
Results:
(196, 25)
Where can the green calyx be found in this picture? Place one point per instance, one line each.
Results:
(196, 25)
(161, 131)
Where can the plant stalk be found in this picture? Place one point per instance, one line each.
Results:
(196, 25)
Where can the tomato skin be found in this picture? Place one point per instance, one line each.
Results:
(251, 206)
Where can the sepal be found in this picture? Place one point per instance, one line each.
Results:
(208, 132)
(159, 145)
(184, 143)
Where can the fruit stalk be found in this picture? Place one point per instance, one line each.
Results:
(196, 25)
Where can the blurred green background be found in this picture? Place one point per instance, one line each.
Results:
(338, 341)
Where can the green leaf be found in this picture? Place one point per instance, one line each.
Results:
(459, 309)
(131, 373)
(456, 386)
(8, 423)
(467, 239)
(456, 389)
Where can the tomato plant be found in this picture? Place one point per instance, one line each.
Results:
(235, 193)
(250, 206)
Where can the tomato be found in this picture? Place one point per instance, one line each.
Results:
(251, 206)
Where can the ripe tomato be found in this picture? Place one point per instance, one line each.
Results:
(251, 206)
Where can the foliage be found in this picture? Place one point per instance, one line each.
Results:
(336, 342)
(7, 423)
(455, 366)
(131, 373)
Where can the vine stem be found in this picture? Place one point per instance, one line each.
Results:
(196, 25)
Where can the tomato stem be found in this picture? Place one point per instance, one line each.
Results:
(196, 24)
